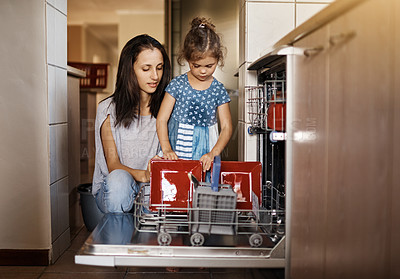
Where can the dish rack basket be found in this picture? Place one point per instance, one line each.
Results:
(266, 104)
(215, 205)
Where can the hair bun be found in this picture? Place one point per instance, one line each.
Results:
(202, 22)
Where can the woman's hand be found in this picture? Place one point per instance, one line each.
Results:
(170, 155)
(142, 175)
(206, 160)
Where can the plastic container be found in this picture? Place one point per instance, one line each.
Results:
(215, 205)
(90, 212)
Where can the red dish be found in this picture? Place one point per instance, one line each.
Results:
(245, 179)
(170, 183)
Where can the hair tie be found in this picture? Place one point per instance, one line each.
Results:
(202, 25)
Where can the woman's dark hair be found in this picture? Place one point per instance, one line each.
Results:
(200, 39)
(126, 96)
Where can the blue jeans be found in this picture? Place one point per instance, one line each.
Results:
(117, 193)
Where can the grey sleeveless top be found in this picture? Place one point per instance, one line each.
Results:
(136, 145)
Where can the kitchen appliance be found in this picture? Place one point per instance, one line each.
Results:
(266, 106)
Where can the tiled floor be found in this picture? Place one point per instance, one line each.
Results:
(65, 268)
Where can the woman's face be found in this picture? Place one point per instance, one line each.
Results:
(148, 68)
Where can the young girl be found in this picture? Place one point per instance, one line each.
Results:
(187, 124)
(125, 128)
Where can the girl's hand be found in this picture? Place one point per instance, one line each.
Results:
(206, 159)
(170, 155)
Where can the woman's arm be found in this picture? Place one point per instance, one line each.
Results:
(164, 113)
(111, 154)
(225, 119)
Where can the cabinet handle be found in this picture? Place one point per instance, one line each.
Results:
(341, 38)
(313, 51)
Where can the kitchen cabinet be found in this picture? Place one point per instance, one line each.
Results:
(88, 107)
(344, 149)
(75, 218)
(360, 88)
(395, 235)
(310, 103)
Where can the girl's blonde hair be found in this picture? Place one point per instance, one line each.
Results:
(201, 38)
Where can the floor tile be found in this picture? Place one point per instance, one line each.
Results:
(146, 269)
(167, 275)
(13, 275)
(22, 269)
(250, 273)
(231, 273)
(164, 269)
(83, 275)
(268, 273)
(23, 272)
(79, 240)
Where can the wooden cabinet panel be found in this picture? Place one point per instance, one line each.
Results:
(395, 212)
(309, 158)
(359, 144)
(345, 148)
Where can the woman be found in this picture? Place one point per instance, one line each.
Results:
(125, 129)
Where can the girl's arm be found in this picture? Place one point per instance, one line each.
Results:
(224, 115)
(111, 154)
(164, 113)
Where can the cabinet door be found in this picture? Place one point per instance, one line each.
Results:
(307, 142)
(395, 229)
(360, 142)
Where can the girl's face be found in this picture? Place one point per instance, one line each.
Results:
(204, 68)
(149, 68)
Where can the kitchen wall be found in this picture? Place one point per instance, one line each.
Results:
(24, 120)
(133, 24)
(86, 43)
(34, 137)
(225, 15)
(56, 26)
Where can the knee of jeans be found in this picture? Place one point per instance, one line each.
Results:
(119, 177)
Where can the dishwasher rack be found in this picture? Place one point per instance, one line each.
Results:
(256, 225)
(267, 105)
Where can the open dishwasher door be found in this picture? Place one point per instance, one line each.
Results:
(209, 231)
(115, 242)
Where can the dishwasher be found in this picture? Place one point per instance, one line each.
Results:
(238, 219)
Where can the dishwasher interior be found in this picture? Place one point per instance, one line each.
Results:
(237, 219)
